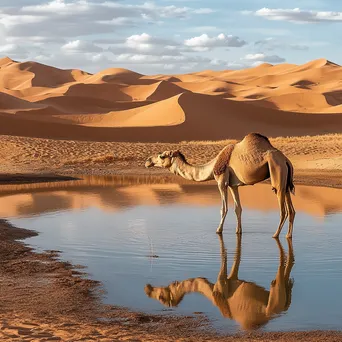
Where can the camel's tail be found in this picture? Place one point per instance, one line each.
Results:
(290, 186)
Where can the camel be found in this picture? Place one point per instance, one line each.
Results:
(250, 161)
(247, 303)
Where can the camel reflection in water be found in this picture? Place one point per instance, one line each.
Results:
(250, 305)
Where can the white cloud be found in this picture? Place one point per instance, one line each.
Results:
(204, 11)
(145, 42)
(80, 46)
(86, 33)
(2, 34)
(121, 21)
(204, 42)
(236, 65)
(202, 29)
(261, 58)
(100, 58)
(169, 66)
(267, 31)
(139, 42)
(140, 51)
(166, 11)
(218, 62)
(42, 58)
(12, 49)
(34, 40)
(92, 34)
(59, 18)
(274, 44)
(299, 16)
(92, 62)
(165, 59)
(10, 21)
(57, 5)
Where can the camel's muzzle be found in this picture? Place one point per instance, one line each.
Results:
(149, 163)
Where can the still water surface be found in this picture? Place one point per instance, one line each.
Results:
(135, 232)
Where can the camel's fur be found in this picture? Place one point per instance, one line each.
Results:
(222, 160)
(249, 304)
(250, 161)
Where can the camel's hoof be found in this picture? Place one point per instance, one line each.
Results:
(238, 232)
(288, 236)
(218, 231)
(275, 236)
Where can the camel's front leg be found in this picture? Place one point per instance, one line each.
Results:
(224, 196)
(238, 209)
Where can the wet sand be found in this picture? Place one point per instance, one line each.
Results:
(26, 178)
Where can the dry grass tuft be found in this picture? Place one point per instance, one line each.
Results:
(104, 159)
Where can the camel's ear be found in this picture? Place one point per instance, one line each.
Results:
(148, 289)
(174, 154)
(165, 154)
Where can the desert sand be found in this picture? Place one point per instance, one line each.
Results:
(55, 124)
(116, 104)
(317, 159)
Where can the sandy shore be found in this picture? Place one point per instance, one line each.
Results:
(317, 160)
(44, 299)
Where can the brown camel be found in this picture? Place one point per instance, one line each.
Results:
(247, 303)
(250, 161)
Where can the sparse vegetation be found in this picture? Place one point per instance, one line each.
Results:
(26, 154)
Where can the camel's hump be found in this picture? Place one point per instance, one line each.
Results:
(255, 137)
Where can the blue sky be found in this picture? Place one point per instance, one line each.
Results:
(169, 36)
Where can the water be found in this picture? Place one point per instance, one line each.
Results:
(134, 232)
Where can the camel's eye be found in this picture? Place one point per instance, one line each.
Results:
(162, 157)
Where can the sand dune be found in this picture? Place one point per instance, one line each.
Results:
(118, 76)
(147, 116)
(208, 87)
(11, 104)
(154, 92)
(121, 105)
(88, 105)
(14, 75)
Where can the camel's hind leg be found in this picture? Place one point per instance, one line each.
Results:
(278, 172)
(283, 212)
(291, 211)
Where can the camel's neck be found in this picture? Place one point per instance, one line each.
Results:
(198, 285)
(198, 173)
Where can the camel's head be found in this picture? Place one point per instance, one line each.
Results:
(165, 295)
(162, 159)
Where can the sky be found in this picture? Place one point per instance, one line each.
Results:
(169, 37)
